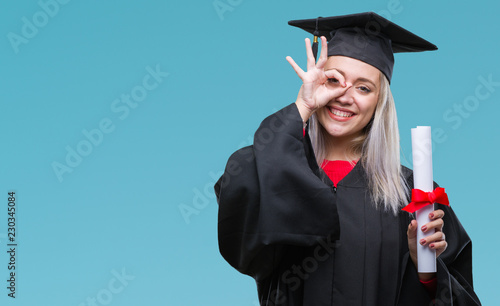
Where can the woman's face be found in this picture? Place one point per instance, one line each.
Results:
(345, 116)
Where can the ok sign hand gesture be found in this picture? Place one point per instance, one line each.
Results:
(319, 86)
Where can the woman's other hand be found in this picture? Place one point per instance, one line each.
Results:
(319, 86)
(435, 241)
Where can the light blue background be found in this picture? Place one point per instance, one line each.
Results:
(119, 209)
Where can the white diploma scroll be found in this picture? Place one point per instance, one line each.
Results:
(421, 143)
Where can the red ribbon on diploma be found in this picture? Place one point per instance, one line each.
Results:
(421, 198)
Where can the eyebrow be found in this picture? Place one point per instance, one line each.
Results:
(358, 79)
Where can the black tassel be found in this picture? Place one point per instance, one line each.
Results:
(315, 42)
(315, 47)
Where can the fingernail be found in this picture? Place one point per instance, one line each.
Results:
(424, 228)
(431, 215)
(422, 241)
(431, 245)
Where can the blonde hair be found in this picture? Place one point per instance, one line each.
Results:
(379, 149)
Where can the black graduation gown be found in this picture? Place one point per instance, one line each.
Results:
(305, 242)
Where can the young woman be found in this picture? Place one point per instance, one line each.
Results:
(312, 210)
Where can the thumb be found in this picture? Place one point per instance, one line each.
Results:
(412, 229)
(338, 91)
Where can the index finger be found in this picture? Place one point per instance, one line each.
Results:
(437, 214)
(334, 73)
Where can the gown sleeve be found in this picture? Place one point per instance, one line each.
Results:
(454, 269)
(272, 197)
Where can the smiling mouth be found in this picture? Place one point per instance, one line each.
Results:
(339, 113)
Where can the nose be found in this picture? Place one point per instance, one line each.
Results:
(347, 97)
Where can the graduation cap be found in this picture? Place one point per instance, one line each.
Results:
(367, 37)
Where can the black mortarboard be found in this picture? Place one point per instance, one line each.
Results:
(367, 37)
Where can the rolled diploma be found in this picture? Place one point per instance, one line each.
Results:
(421, 143)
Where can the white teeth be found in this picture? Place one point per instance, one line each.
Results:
(340, 113)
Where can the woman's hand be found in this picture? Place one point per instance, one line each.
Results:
(319, 86)
(435, 241)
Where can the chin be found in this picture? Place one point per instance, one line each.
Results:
(341, 132)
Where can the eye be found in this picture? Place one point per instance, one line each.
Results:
(333, 81)
(364, 89)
